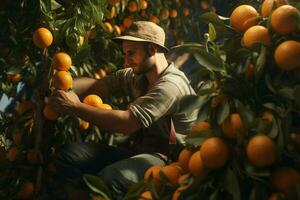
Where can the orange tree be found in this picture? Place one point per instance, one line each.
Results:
(250, 98)
(246, 142)
(44, 45)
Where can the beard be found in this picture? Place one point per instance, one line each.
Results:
(144, 67)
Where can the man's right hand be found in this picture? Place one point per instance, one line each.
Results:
(64, 102)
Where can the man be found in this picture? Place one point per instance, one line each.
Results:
(156, 87)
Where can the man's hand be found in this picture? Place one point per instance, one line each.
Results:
(64, 102)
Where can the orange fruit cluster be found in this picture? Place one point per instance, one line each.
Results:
(284, 20)
(61, 80)
(192, 163)
(95, 101)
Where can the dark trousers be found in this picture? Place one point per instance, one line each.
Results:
(118, 167)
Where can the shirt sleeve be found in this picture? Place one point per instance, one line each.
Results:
(119, 83)
(158, 102)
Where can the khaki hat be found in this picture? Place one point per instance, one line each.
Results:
(145, 31)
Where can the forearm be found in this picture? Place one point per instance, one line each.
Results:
(112, 120)
(84, 86)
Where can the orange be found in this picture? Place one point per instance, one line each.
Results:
(61, 61)
(146, 196)
(117, 30)
(132, 6)
(17, 137)
(111, 13)
(14, 77)
(91, 34)
(23, 107)
(127, 22)
(164, 14)
(105, 106)
(108, 27)
(284, 178)
(186, 11)
(152, 173)
(233, 126)
(172, 172)
(287, 55)
(93, 100)
(267, 115)
(285, 19)
(33, 157)
(84, 125)
(143, 4)
(276, 196)
(204, 5)
(201, 126)
(12, 154)
(250, 70)
(26, 191)
(261, 151)
(102, 73)
(267, 6)
(196, 165)
(177, 192)
(173, 13)
(214, 152)
(184, 157)
(257, 34)
(42, 38)
(49, 113)
(62, 80)
(81, 40)
(154, 19)
(243, 17)
(99, 74)
(262, 126)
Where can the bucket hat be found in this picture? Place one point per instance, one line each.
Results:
(145, 31)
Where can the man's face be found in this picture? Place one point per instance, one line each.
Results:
(136, 56)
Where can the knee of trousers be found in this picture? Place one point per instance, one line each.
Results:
(122, 174)
(116, 181)
(65, 163)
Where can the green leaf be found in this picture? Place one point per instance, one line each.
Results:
(212, 32)
(204, 58)
(231, 183)
(190, 103)
(274, 130)
(203, 113)
(223, 110)
(256, 173)
(287, 93)
(45, 6)
(269, 83)
(211, 17)
(135, 190)
(218, 22)
(195, 139)
(246, 114)
(260, 62)
(97, 186)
